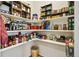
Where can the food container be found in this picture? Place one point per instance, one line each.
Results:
(54, 11)
(44, 37)
(60, 26)
(23, 38)
(64, 27)
(56, 27)
(14, 40)
(34, 27)
(42, 26)
(35, 51)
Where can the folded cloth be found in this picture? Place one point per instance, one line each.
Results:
(3, 31)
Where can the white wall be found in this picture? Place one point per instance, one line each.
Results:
(36, 5)
(76, 29)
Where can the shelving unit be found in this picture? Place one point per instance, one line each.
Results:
(16, 8)
(14, 46)
(25, 47)
(46, 10)
(21, 9)
(34, 21)
(24, 15)
(20, 18)
(12, 16)
(34, 39)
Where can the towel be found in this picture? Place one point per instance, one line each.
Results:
(3, 32)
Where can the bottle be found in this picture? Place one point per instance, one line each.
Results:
(42, 26)
(71, 7)
(11, 25)
(14, 40)
(19, 37)
(71, 23)
(10, 43)
(23, 38)
(34, 35)
(56, 27)
(64, 27)
(17, 40)
(28, 36)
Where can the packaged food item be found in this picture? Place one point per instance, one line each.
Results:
(64, 27)
(60, 26)
(23, 8)
(42, 26)
(71, 23)
(14, 40)
(54, 11)
(10, 42)
(19, 37)
(26, 35)
(71, 10)
(35, 17)
(71, 7)
(56, 27)
(23, 38)
(35, 35)
(3, 8)
(44, 37)
(34, 27)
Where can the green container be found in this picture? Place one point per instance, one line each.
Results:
(71, 10)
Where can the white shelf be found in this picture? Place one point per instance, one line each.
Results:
(53, 42)
(14, 46)
(49, 41)
(16, 31)
(35, 39)
(19, 18)
(29, 20)
(70, 16)
(15, 17)
(63, 17)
